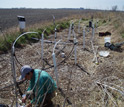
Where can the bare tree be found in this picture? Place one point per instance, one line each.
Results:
(114, 8)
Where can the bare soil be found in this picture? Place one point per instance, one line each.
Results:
(8, 17)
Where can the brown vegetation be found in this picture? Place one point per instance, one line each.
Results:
(100, 88)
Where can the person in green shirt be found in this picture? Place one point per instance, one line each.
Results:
(41, 85)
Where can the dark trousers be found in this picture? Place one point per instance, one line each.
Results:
(48, 100)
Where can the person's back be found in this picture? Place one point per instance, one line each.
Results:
(42, 85)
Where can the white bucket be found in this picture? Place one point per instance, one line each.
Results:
(107, 39)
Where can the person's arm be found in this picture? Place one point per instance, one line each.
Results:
(29, 88)
(34, 85)
(39, 91)
(29, 105)
(24, 99)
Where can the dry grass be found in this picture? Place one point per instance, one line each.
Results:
(100, 89)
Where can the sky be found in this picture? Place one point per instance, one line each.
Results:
(87, 4)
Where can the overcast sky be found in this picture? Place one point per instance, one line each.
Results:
(92, 4)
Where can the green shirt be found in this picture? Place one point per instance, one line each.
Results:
(41, 83)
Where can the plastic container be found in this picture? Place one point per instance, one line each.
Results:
(107, 39)
(62, 55)
(21, 20)
(104, 53)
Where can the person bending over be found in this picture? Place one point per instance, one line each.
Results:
(41, 85)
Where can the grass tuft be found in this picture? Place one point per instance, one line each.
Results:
(7, 41)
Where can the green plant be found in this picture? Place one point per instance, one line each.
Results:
(3, 47)
(5, 44)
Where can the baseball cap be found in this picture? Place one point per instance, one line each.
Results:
(24, 70)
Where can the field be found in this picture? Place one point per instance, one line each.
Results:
(86, 83)
(8, 17)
